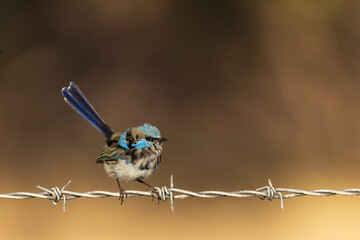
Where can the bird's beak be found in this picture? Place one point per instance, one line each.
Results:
(162, 139)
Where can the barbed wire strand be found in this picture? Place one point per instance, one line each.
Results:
(267, 192)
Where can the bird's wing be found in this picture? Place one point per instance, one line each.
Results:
(111, 154)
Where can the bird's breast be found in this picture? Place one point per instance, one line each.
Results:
(137, 164)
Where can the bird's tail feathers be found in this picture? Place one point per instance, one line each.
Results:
(76, 99)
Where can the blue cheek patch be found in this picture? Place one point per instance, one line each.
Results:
(142, 144)
(150, 130)
(122, 141)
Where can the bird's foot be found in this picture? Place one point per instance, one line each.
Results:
(122, 194)
(154, 193)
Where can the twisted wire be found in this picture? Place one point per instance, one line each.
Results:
(268, 192)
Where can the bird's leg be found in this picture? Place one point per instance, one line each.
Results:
(122, 193)
(153, 190)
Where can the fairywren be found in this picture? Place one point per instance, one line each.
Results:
(132, 155)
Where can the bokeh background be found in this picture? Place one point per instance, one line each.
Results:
(244, 90)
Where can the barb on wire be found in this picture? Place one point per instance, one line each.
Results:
(57, 194)
(267, 192)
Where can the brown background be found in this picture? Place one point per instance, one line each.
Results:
(244, 90)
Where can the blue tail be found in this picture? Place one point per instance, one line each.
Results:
(76, 100)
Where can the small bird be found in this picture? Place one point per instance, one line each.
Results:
(132, 155)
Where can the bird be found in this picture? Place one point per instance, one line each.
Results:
(132, 155)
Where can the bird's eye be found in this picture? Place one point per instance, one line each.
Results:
(147, 138)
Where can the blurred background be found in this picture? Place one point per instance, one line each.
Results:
(244, 90)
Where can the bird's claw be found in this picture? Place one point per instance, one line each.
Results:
(154, 193)
(122, 194)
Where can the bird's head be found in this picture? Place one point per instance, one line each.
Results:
(140, 137)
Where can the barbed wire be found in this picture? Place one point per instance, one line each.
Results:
(267, 192)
